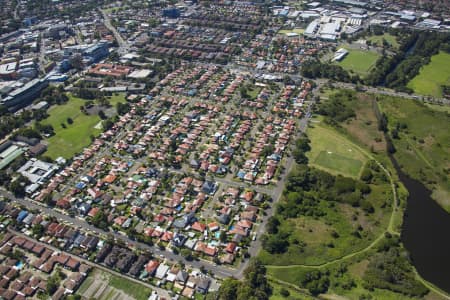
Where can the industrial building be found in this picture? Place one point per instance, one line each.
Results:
(9, 153)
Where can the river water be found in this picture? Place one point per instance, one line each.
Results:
(426, 233)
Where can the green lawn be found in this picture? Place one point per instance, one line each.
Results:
(135, 290)
(293, 293)
(254, 92)
(70, 140)
(333, 152)
(423, 147)
(339, 162)
(295, 30)
(433, 76)
(117, 98)
(359, 61)
(130, 288)
(441, 108)
(378, 40)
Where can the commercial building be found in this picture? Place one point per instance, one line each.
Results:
(37, 171)
(23, 96)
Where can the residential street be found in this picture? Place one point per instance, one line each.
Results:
(220, 271)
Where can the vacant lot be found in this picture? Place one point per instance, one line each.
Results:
(359, 61)
(364, 128)
(105, 286)
(333, 152)
(433, 76)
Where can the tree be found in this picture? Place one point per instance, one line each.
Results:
(228, 289)
(272, 225)
(38, 230)
(100, 220)
(316, 282)
(123, 108)
(69, 121)
(17, 187)
(101, 114)
(253, 287)
(76, 62)
(107, 124)
(223, 237)
(366, 175)
(187, 254)
(284, 292)
(52, 285)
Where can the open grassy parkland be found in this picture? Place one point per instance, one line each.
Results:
(74, 137)
(359, 61)
(422, 151)
(333, 152)
(433, 76)
(378, 40)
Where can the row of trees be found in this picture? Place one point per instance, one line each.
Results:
(254, 286)
(415, 50)
(390, 268)
(339, 107)
(314, 68)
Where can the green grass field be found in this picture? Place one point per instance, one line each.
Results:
(339, 162)
(423, 149)
(441, 108)
(359, 61)
(116, 98)
(70, 140)
(333, 152)
(295, 30)
(116, 287)
(135, 290)
(432, 76)
(254, 92)
(378, 40)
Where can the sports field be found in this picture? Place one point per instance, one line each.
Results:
(333, 152)
(295, 30)
(359, 61)
(433, 76)
(72, 139)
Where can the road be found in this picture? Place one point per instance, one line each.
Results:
(385, 91)
(321, 81)
(42, 59)
(86, 227)
(161, 292)
(16, 11)
(276, 194)
(123, 45)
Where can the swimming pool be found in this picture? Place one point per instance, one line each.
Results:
(19, 265)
